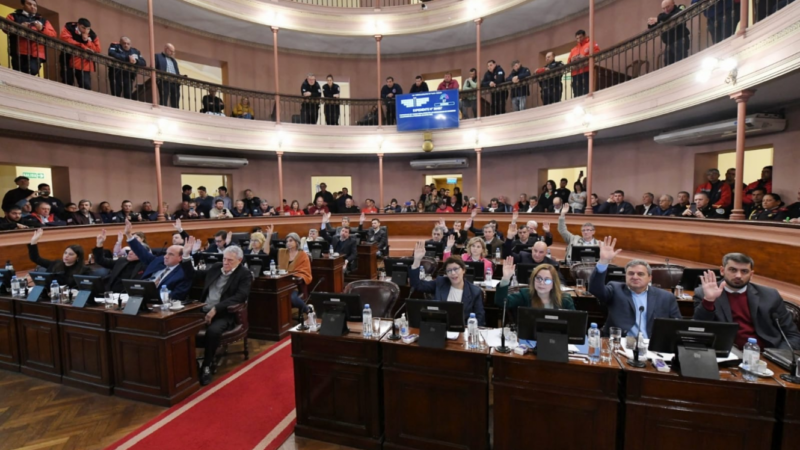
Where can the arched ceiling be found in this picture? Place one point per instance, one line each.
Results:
(526, 16)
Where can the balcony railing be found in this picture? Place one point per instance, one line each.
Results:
(359, 3)
(695, 29)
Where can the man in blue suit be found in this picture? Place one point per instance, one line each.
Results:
(169, 91)
(166, 270)
(450, 288)
(627, 301)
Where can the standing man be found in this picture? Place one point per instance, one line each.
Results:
(718, 191)
(470, 101)
(56, 205)
(204, 202)
(389, 92)
(20, 192)
(169, 90)
(332, 107)
(419, 85)
(675, 36)
(309, 110)
(81, 35)
(341, 202)
(448, 83)
(580, 73)
(121, 80)
(519, 93)
(563, 191)
(551, 86)
(494, 77)
(223, 195)
(327, 197)
(84, 216)
(187, 193)
(27, 56)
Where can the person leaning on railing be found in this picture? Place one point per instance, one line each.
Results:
(121, 80)
(580, 73)
(519, 93)
(309, 111)
(332, 108)
(27, 56)
(676, 36)
(722, 17)
(389, 92)
(551, 86)
(494, 77)
(75, 68)
(470, 101)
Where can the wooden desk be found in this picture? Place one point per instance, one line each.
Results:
(154, 356)
(541, 404)
(367, 264)
(664, 411)
(333, 272)
(338, 387)
(85, 348)
(791, 410)
(435, 398)
(38, 339)
(269, 307)
(9, 347)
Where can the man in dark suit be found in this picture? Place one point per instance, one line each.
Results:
(169, 91)
(616, 204)
(121, 80)
(536, 256)
(627, 301)
(166, 270)
(128, 268)
(755, 308)
(375, 234)
(343, 245)
(226, 284)
(84, 215)
(222, 239)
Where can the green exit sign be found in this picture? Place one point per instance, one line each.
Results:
(33, 175)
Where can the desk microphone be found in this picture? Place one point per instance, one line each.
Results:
(503, 348)
(394, 336)
(164, 248)
(303, 326)
(791, 377)
(635, 361)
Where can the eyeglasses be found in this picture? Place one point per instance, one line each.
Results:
(547, 281)
(586, 230)
(453, 270)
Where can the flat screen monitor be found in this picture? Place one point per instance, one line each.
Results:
(257, 264)
(391, 263)
(477, 269)
(42, 278)
(237, 238)
(317, 248)
(210, 258)
(141, 288)
(667, 334)
(434, 249)
(585, 254)
(454, 310)
(576, 322)
(615, 273)
(524, 271)
(352, 302)
(522, 247)
(278, 243)
(691, 277)
(427, 110)
(91, 283)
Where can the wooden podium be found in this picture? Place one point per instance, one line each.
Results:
(269, 308)
(39, 344)
(85, 348)
(330, 269)
(9, 348)
(367, 264)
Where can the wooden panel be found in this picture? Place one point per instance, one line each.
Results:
(269, 309)
(39, 349)
(9, 346)
(87, 358)
(791, 414)
(332, 270)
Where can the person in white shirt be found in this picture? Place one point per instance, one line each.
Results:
(219, 211)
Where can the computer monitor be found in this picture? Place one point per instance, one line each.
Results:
(477, 269)
(142, 288)
(522, 247)
(615, 273)
(352, 303)
(454, 310)
(5, 280)
(529, 320)
(585, 254)
(278, 243)
(239, 237)
(391, 263)
(317, 248)
(89, 287)
(435, 249)
(691, 277)
(43, 279)
(524, 271)
(667, 334)
(210, 258)
(257, 263)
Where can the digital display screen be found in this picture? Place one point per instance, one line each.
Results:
(427, 110)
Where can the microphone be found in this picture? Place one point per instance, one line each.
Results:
(503, 348)
(394, 336)
(635, 361)
(791, 377)
(164, 248)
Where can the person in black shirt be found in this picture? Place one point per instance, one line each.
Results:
(56, 205)
(563, 192)
(128, 268)
(332, 108)
(128, 213)
(703, 209)
(521, 90)
(204, 202)
(327, 197)
(187, 193)
(14, 195)
(551, 85)
(389, 92)
(494, 77)
(211, 103)
(120, 80)
(71, 262)
(419, 85)
(309, 110)
(616, 204)
(12, 220)
(675, 36)
(341, 202)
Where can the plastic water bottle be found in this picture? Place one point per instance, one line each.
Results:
(594, 344)
(750, 356)
(403, 325)
(55, 292)
(272, 269)
(488, 275)
(330, 252)
(497, 254)
(679, 291)
(472, 332)
(164, 294)
(312, 318)
(14, 286)
(514, 282)
(9, 266)
(366, 319)
(549, 255)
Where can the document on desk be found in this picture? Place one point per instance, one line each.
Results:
(566, 288)
(488, 283)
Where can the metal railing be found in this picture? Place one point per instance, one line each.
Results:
(359, 3)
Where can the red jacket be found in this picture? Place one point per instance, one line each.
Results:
(724, 193)
(299, 212)
(71, 35)
(25, 46)
(372, 210)
(747, 198)
(583, 50)
(446, 209)
(443, 86)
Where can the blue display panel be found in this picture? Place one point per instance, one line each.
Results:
(427, 110)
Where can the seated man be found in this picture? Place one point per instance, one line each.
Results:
(375, 235)
(225, 284)
(586, 239)
(683, 204)
(524, 238)
(219, 211)
(12, 220)
(754, 307)
(148, 213)
(752, 210)
(84, 216)
(126, 213)
(558, 205)
(645, 209)
(41, 217)
(537, 255)
(264, 209)
(664, 207)
(437, 235)
(369, 207)
(493, 242)
(342, 244)
(703, 208)
(349, 207)
(167, 270)
(129, 267)
(532, 227)
(718, 190)
(616, 204)
(627, 301)
(222, 239)
(460, 234)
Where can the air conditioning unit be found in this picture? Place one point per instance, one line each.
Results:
(755, 125)
(208, 161)
(429, 164)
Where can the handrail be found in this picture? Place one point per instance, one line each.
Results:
(352, 4)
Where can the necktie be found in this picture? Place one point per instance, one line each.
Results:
(162, 276)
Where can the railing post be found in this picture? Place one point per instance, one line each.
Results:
(591, 48)
(277, 89)
(478, 99)
(741, 99)
(588, 185)
(478, 175)
(153, 87)
(159, 190)
(380, 181)
(744, 19)
(280, 179)
(378, 38)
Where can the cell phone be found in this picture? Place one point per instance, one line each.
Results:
(693, 208)
(408, 203)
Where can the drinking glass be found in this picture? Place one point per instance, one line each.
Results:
(376, 327)
(615, 334)
(108, 297)
(511, 338)
(579, 284)
(606, 348)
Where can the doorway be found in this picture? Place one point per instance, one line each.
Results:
(211, 182)
(446, 181)
(334, 183)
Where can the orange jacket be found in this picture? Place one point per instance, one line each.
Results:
(747, 198)
(724, 198)
(70, 35)
(581, 49)
(24, 46)
(301, 266)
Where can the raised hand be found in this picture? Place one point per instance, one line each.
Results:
(468, 224)
(101, 238)
(270, 230)
(36, 236)
(362, 218)
(607, 252)
(197, 244)
(508, 268)
(326, 218)
(419, 251)
(177, 225)
(474, 213)
(512, 231)
(188, 246)
(451, 241)
(442, 223)
(546, 227)
(711, 291)
(128, 230)
(565, 209)
(515, 216)
(228, 238)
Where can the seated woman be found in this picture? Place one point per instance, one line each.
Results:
(476, 251)
(773, 209)
(545, 293)
(410, 206)
(449, 288)
(239, 210)
(297, 263)
(393, 207)
(71, 262)
(259, 244)
(295, 210)
(243, 110)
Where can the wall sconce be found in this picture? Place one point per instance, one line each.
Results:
(580, 115)
(710, 65)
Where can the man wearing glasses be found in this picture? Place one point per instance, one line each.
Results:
(586, 239)
(628, 301)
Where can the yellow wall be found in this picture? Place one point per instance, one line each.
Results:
(211, 182)
(37, 175)
(202, 72)
(441, 181)
(754, 160)
(570, 173)
(334, 183)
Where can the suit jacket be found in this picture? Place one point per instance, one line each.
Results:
(764, 302)
(347, 248)
(622, 311)
(640, 210)
(236, 290)
(376, 236)
(472, 299)
(613, 208)
(161, 63)
(77, 218)
(526, 257)
(115, 267)
(177, 281)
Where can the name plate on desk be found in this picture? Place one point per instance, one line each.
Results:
(432, 334)
(334, 323)
(35, 293)
(698, 363)
(82, 299)
(133, 306)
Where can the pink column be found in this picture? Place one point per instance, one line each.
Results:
(478, 66)
(380, 180)
(591, 48)
(159, 192)
(378, 38)
(280, 179)
(744, 18)
(478, 172)
(588, 185)
(277, 89)
(153, 87)
(741, 103)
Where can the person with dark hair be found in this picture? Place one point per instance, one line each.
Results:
(326, 196)
(341, 242)
(223, 195)
(71, 262)
(56, 205)
(84, 215)
(219, 211)
(105, 212)
(389, 93)
(755, 208)
(470, 101)
(773, 209)
(222, 239)
(675, 36)
(187, 193)
(331, 90)
(19, 193)
(419, 85)
(793, 210)
(703, 209)
(495, 76)
(204, 202)
(547, 196)
(764, 183)
(309, 110)
(451, 287)
(718, 191)
(12, 220)
(647, 206)
(27, 56)
(126, 213)
(543, 291)
(212, 104)
(684, 202)
(375, 234)
(148, 213)
(580, 73)
(563, 191)
(369, 207)
(550, 85)
(616, 204)
(448, 83)
(577, 198)
(754, 307)
(75, 68)
(722, 19)
(393, 207)
(120, 81)
(128, 268)
(519, 93)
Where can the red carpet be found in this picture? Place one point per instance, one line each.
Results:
(251, 408)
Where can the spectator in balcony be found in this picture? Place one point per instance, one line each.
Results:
(18, 193)
(683, 203)
(495, 76)
(534, 204)
(548, 194)
(326, 196)
(718, 191)
(319, 207)
(664, 207)
(264, 209)
(243, 110)
(773, 209)
(448, 82)
(341, 202)
(419, 85)
(13, 220)
(370, 207)
(558, 205)
(523, 204)
(470, 101)
(219, 211)
(56, 205)
(753, 210)
(349, 207)
(793, 210)
(169, 90)
(563, 191)
(580, 73)
(79, 69)
(148, 213)
(730, 180)
(105, 212)
(370, 118)
(393, 207)
(223, 195)
(294, 209)
(444, 207)
(240, 210)
(121, 80)
(251, 202)
(675, 35)
(126, 212)
(520, 90)
(389, 92)
(765, 182)
(551, 85)
(616, 204)
(577, 199)
(495, 207)
(27, 56)
(332, 108)
(310, 89)
(647, 206)
(213, 104)
(187, 193)
(84, 215)
(723, 16)
(204, 202)
(703, 209)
